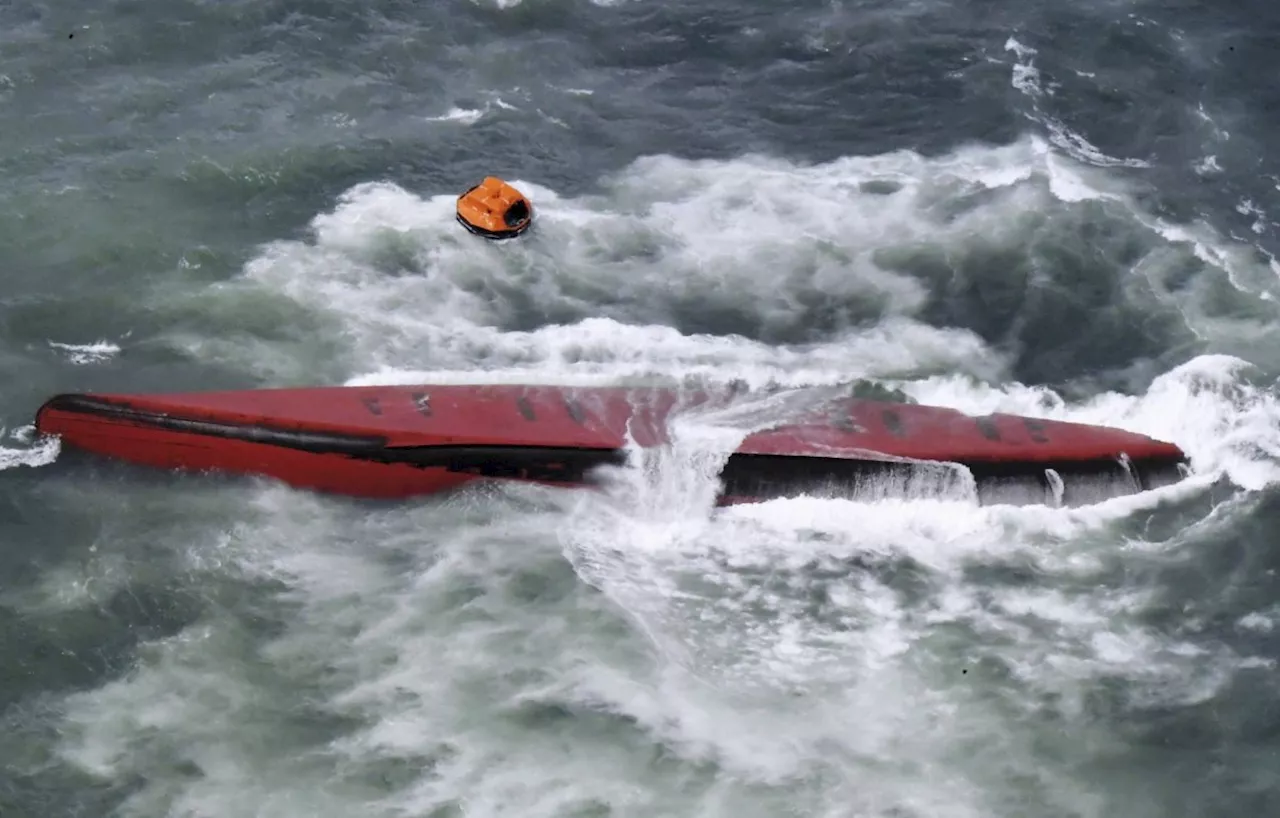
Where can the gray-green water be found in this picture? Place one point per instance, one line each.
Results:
(1047, 209)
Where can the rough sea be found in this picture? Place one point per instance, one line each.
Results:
(1066, 210)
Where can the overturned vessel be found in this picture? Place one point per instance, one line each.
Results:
(400, 441)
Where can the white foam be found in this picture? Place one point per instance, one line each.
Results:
(94, 353)
(1026, 77)
(765, 679)
(39, 452)
(463, 116)
(756, 238)
(1247, 207)
(1208, 165)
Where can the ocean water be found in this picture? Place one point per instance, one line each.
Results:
(1065, 210)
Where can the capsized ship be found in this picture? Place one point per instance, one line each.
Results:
(402, 441)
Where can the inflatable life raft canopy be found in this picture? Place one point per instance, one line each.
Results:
(495, 210)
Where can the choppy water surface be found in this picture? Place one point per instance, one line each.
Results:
(1062, 210)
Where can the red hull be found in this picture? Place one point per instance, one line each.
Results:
(399, 441)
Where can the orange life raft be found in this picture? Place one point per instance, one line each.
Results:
(495, 210)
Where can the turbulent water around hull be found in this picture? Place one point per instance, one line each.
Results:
(207, 647)
(896, 658)
(552, 653)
